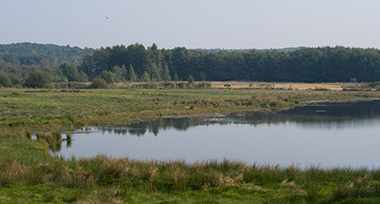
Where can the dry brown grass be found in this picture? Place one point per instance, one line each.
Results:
(12, 173)
(279, 85)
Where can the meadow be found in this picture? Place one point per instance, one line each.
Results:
(28, 174)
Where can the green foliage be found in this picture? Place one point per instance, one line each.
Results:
(145, 77)
(202, 76)
(166, 73)
(5, 80)
(70, 71)
(14, 78)
(375, 84)
(227, 85)
(132, 74)
(118, 73)
(37, 78)
(322, 64)
(175, 77)
(99, 83)
(83, 76)
(110, 77)
(156, 76)
(191, 79)
(49, 86)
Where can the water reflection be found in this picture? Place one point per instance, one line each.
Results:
(320, 134)
(318, 116)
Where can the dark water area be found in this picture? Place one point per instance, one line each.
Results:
(328, 135)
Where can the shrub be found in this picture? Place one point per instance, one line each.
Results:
(375, 84)
(227, 85)
(99, 83)
(37, 78)
(5, 80)
(49, 86)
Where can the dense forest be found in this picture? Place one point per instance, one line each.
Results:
(323, 64)
(26, 62)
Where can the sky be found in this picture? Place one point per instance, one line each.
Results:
(207, 24)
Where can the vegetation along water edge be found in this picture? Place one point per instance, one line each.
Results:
(28, 174)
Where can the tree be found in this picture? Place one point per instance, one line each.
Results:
(166, 73)
(87, 64)
(5, 80)
(110, 77)
(118, 72)
(37, 78)
(124, 73)
(83, 76)
(145, 77)
(156, 76)
(14, 78)
(202, 76)
(132, 74)
(175, 77)
(191, 79)
(70, 71)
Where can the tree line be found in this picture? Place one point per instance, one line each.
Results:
(322, 64)
(23, 61)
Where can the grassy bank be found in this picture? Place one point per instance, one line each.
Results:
(28, 174)
(117, 106)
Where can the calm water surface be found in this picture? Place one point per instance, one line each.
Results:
(328, 135)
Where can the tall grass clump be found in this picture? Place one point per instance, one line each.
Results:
(12, 173)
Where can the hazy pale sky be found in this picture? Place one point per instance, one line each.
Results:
(229, 24)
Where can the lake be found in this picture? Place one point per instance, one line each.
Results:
(328, 135)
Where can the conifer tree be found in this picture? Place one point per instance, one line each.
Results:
(156, 76)
(166, 73)
(145, 77)
(132, 74)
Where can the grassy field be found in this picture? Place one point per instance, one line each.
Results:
(28, 174)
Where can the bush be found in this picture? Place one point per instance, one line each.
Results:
(227, 85)
(5, 80)
(99, 83)
(49, 86)
(374, 84)
(37, 78)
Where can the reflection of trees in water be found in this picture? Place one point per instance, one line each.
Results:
(327, 116)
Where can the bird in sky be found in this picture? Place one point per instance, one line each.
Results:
(107, 17)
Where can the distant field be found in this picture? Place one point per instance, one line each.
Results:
(279, 85)
(338, 86)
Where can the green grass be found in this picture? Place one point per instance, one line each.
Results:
(117, 106)
(28, 174)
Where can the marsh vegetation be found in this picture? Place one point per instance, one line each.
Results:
(28, 173)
